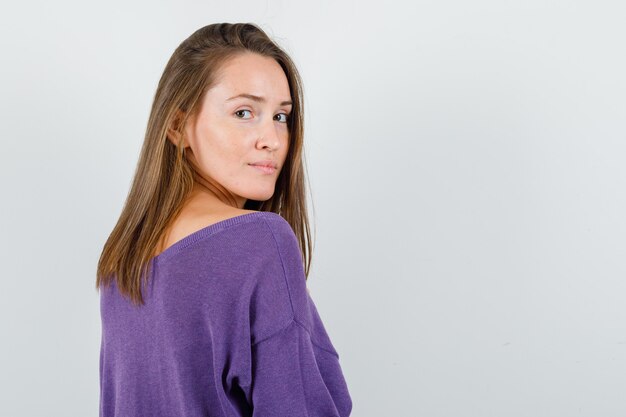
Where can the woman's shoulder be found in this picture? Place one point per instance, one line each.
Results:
(243, 216)
(258, 228)
(274, 222)
(266, 221)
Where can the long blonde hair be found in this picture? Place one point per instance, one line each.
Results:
(164, 177)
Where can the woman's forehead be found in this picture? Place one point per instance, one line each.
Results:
(227, 95)
(252, 75)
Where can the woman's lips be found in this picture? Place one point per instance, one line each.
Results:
(264, 169)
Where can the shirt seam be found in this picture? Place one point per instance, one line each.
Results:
(282, 265)
(293, 311)
(284, 327)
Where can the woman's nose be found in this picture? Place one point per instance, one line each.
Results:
(269, 135)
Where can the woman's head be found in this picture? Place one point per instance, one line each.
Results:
(213, 62)
(196, 134)
(243, 119)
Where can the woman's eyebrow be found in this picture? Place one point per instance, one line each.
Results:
(258, 99)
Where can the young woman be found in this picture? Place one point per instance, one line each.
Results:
(204, 305)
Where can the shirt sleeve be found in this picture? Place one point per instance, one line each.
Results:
(294, 367)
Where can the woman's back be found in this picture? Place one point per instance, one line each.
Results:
(227, 329)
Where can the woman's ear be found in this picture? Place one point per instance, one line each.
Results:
(174, 130)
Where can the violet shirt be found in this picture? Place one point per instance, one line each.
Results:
(228, 329)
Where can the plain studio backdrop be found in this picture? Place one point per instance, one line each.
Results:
(467, 167)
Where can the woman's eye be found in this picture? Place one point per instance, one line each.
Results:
(286, 119)
(239, 111)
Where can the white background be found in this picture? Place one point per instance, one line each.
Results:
(466, 161)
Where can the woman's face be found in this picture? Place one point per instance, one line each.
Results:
(232, 132)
